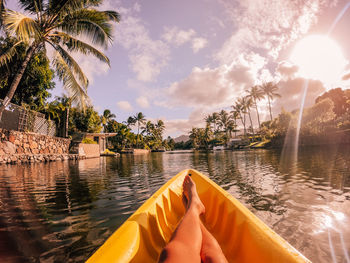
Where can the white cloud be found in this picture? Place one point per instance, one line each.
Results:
(147, 56)
(183, 126)
(179, 37)
(198, 43)
(124, 105)
(142, 102)
(268, 25)
(218, 87)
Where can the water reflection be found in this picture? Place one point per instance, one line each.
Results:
(63, 211)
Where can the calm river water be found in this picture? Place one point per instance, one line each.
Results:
(63, 211)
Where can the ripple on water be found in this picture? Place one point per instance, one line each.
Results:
(69, 209)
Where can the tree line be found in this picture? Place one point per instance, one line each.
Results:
(329, 114)
(220, 126)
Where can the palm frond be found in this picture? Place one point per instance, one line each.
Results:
(78, 94)
(91, 23)
(7, 56)
(112, 15)
(72, 64)
(74, 44)
(33, 6)
(20, 25)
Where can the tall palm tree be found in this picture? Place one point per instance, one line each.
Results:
(139, 119)
(59, 24)
(235, 116)
(248, 105)
(256, 94)
(209, 120)
(106, 117)
(269, 90)
(215, 118)
(224, 122)
(240, 107)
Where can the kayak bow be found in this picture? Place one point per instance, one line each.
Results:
(242, 236)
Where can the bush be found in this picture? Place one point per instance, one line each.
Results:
(88, 141)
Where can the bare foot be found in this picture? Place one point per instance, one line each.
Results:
(190, 196)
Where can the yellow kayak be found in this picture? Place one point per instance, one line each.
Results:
(242, 236)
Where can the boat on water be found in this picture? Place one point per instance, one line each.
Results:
(242, 236)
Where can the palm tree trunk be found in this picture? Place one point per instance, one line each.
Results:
(137, 139)
(243, 122)
(257, 113)
(251, 123)
(236, 127)
(268, 98)
(17, 79)
(66, 123)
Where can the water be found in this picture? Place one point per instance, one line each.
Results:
(63, 211)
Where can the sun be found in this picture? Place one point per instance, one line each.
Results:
(319, 57)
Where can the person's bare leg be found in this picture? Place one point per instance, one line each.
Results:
(211, 251)
(186, 243)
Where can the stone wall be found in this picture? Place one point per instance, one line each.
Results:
(18, 146)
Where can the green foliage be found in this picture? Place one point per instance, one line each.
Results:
(58, 23)
(88, 141)
(88, 121)
(36, 81)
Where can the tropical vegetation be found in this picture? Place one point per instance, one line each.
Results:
(59, 25)
(329, 115)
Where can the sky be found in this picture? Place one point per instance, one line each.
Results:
(181, 60)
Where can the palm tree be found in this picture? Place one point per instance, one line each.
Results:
(61, 25)
(240, 107)
(235, 116)
(269, 89)
(256, 94)
(139, 118)
(215, 118)
(209, 120)
(224, 122)
(130, 121)
(248, 105)
(106, 117)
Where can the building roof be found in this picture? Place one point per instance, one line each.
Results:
(110, 134)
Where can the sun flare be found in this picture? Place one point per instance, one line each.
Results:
(319, 57)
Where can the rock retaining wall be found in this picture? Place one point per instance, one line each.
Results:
(22, 147)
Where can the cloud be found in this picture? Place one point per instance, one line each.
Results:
(147, 56)
(142, 102)
(286, 69)
(124, 105)
(183, 126)
(203, 87)
(179, 37)
(198, 43)
(176, 36)
(292, 92)
(218, 87)
(268, 25)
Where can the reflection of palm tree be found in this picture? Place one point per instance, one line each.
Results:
(256, 94)
(139, 119)
(270, 91)
(57, 24)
